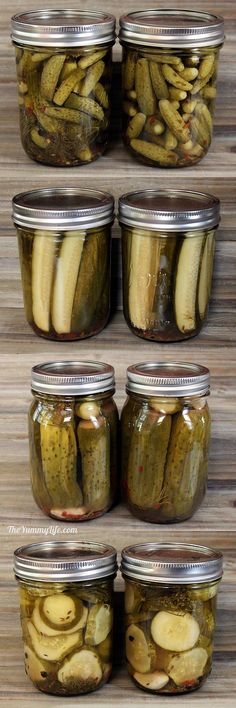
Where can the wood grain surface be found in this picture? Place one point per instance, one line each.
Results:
(21, 521)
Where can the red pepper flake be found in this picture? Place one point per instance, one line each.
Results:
(190, 682)
(141, 468)
(152, 120)
(156, 506)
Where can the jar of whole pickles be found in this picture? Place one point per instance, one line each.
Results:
(64, 65)
(64, 239)
(66, 604)
(170, 60)
(170, 605)
(73, 423)
(166, 429)
(168, 241)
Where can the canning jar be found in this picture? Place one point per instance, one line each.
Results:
(73, 424)
(166, 427)
(170, 604)
(168, 240)
(64, 65)
(170, 60)
(64, 240)
(66, 605)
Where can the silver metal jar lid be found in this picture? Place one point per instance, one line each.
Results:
(63, 208)
(169, 210)
(171, 563)
(172, 28)
(166, 379)
(63, 28)
(64, 561)
(73, 378)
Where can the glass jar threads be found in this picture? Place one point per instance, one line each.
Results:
(168, 241)
(64, 238)
(170, 62)
(73, 424)
(66, 603)
(166, 429)
(64, 65)
(170, 603)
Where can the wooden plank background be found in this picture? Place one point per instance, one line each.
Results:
(22, 522)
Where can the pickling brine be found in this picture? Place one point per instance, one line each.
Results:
(64, 85)
(169, 624)
(67, 626)
(169, 84)
(73, 440)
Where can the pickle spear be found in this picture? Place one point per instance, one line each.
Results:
(204, 287)
(68, 265)
(91, 283)
(144, 268)
(187, 281)
(43, 260)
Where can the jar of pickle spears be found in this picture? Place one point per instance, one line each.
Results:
(168, 241)
(170, 606)
(64, 65)
(66, 605)
(166, 428)
(64, 239)
(170, 60)
(73, 423)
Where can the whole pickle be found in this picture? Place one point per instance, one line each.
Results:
(94, 445)
(147, 457)
(186, 463)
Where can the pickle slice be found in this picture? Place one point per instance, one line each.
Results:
(187, 666)
(53, 648)
(175, 632)
(139, 651)
(154, 681)
(83, 670)
(42, 626)
(99, 624)
(34, 667)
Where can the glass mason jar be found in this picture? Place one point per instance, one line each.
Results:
(64, 66)
(170, 604)
(64, 239)
(168, 241)
(66, 605)
(170, 62)
(73, 423)
(166, 427)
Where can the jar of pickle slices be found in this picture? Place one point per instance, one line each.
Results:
(168, 241)
(64, 239)
(66, 605)
(64, 64)
(170, 605)
(73, 424)
(170, 60)
(166, 428)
